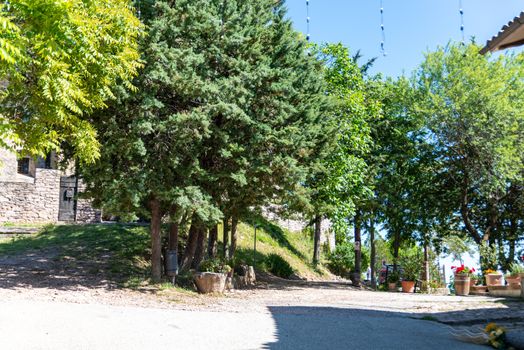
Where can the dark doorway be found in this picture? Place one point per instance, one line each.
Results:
(67, 208)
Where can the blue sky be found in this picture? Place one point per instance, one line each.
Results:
(412, 26)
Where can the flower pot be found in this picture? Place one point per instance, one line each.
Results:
(472, 282)
(392, 286)
(494, 279)
(513, 281)
(408, 286)
(462, 284)
(210, 282)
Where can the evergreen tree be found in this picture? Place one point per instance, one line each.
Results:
(227, 116)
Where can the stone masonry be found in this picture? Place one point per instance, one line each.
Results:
(84, 210)
(35, 198)
(35, 202)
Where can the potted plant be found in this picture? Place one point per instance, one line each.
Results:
(513, 277)
(493, 278)
(474, 280)
(462, 279)
(212, 276)
(411, 269)
(392, 281)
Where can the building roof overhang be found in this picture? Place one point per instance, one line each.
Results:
(511, 35)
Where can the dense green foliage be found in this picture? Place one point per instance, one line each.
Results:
(278, 266)
(342, 260)
(411, 262)
(227, 116)
(60, 61)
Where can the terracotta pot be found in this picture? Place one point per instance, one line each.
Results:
(494, 279)
(513, 281)
(408, 286)
(472, 282)
(462, 284)
(210, 282)
(392, 286)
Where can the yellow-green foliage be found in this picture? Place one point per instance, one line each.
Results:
(58, 61)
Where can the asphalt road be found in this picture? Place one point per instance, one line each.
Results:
(57, 326)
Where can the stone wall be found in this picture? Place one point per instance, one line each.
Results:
(8, 164)
(31, 202)
(299, 224)
(84, 210)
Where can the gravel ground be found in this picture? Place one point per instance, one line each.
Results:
(66, 306)
(39, 276)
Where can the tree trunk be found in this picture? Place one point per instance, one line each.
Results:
(358, 250)
(464, 210)
(373, 252)
(225, 237)
(156, 241)
(316, 239)
(200, 248)
(234, 237)
(427, 277)
(212, 243)
(173, 236)
(396, 248)
(191, 246)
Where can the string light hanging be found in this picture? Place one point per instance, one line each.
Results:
(461, 11)
(308, 20)
(382, 29)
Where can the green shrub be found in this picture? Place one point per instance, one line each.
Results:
(411, 263)
(342, 261)
(214, 265)
(278, 266)
(516, 269)
(393, 277)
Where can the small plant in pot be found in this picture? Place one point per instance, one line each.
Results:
(411, 268)
(475, 280)
(514, 276)
(393, 279)
(493, 278)
(212, 276)
(463, 276)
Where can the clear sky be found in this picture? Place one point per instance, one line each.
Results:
(412, 26)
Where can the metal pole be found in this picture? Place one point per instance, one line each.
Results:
(255, 248)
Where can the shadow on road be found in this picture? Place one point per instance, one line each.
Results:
(311, 328)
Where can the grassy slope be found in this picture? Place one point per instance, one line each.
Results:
(295, 247)
(123, 249)
(127, 247)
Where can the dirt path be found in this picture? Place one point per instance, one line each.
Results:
(41, 276)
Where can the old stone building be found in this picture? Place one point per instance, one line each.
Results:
(36, 191)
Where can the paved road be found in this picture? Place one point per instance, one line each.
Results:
(57, 325)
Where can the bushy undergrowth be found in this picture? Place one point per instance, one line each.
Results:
(278, 266)
(342, 260)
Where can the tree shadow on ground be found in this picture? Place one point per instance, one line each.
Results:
(71, 257)
(309, 328)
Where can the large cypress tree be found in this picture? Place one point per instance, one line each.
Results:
(228, 116)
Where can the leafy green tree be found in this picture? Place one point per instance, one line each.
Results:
(59, 62)
(227, 116)
(338, 180)
(473, 105)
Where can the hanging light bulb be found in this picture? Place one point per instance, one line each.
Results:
(382, 30)
(461, 11)
(308, 20)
